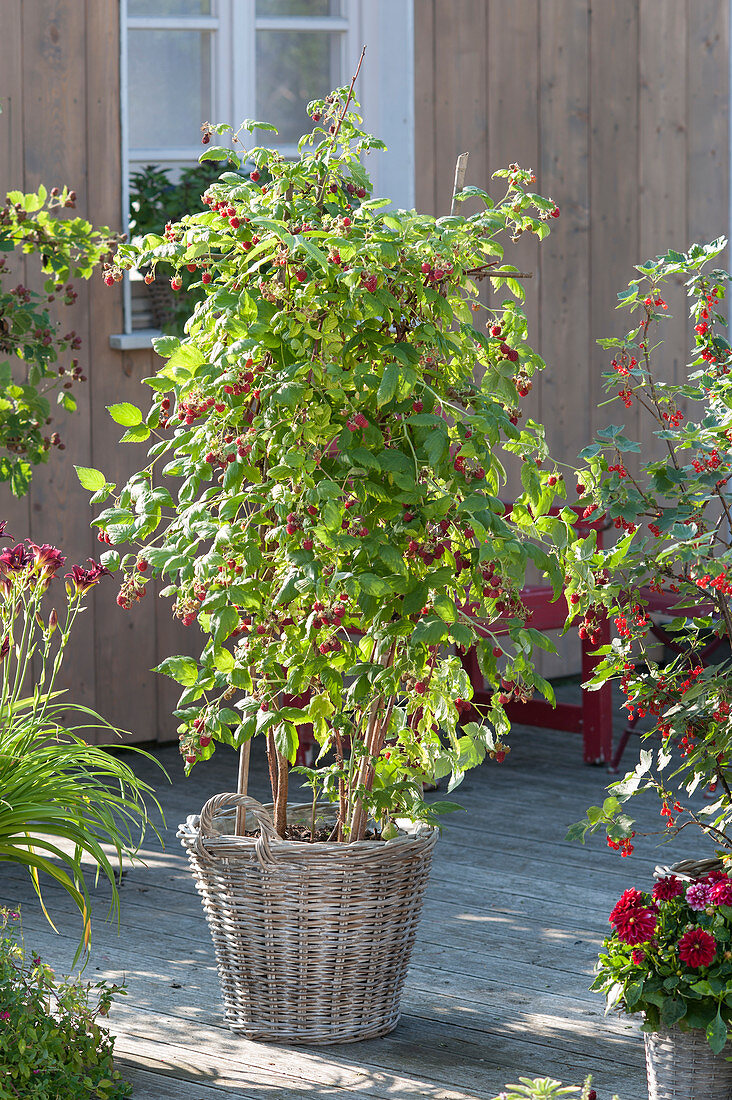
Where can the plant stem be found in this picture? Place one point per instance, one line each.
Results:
(272, 764)
(280, 806)
(375, 732)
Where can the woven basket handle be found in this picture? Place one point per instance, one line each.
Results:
(267, 831)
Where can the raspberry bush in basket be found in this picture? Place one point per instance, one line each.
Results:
(322, 494)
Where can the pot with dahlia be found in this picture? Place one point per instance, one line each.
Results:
(669, 957)
(669, 576)
(328, 516)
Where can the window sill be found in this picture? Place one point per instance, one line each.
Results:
(134, 341)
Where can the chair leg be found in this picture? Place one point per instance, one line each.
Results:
(618, 754)
(597, 706)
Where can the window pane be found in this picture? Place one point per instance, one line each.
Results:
(298, 7)
(294, 67)
(168, 7)
(169, 87)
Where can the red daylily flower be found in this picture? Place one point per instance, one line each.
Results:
(83, 579)
(47, 560)
(14, 559)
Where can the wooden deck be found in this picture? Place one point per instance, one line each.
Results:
(498, 985)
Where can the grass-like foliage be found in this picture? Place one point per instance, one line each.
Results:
(61, 799)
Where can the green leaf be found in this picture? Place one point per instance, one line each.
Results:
(138, 434)
(436, 447)
(389, 384)
(126, 414)
(286, 740)
(223, 622)
(224, 661)
(182, 669)
(216, 152)
(717, 1033)
(673, 1010)
(374, 585)
(166, 345)
(430, 632)
(91, 479)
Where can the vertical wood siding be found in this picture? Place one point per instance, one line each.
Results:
(622, 109)
(59, 87)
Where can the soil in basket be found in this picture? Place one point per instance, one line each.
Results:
(302, 833)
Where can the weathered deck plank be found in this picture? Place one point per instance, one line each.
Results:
(498, 985)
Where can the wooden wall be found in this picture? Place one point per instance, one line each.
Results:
(622, 109)
(59, 88)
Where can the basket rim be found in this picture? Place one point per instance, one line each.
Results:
(412, 834)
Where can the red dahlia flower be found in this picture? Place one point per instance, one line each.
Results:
(667, 888)
(635, 926)
(631, 899)
(632, 919)
(84, 579)
(697, 947)
(721, 892)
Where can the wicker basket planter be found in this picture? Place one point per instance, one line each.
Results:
(312, 940)
(680, 1065)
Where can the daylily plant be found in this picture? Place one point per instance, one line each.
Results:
(60, 798)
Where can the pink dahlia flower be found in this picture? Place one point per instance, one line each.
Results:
(698, 895)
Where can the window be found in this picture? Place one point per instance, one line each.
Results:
(185, 62)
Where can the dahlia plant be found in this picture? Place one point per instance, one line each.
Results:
(330, 433)
(61, 798)
(670, 505)
(38, 359)
(669, 956)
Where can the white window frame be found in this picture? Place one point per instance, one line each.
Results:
(385, 89)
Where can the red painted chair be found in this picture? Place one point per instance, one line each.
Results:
(593, 716)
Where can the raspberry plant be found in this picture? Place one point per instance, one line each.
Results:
(32, 348)
(328, 510)
(672, 511)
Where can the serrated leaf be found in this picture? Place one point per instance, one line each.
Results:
(389, 384)
(224, 661)
(138, 434)
(184, 670)
(125, 413)
(223, 622)
(286, 740)
(90, 479)
(374, 585)
(430, 632)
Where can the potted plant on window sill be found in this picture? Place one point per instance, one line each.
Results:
(157, 201)
(336, 511)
